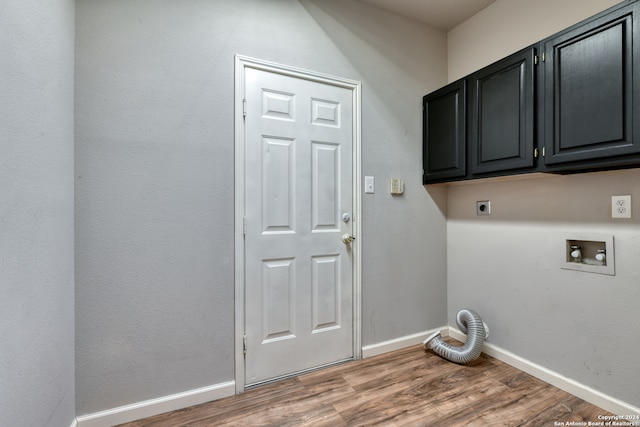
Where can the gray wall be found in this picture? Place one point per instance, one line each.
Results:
(36, 213)
(507, 266)
(154, 179)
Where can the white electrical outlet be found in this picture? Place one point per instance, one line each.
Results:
(621, 206)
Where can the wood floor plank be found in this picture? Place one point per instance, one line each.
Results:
(408, 387)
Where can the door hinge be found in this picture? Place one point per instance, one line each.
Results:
(244, 108)
(244, 344)
(244, 225)
(544, 152)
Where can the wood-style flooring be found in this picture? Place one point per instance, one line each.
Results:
(408, 387)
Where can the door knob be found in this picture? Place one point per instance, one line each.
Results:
(347, 238)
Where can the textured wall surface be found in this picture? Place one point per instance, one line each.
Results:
(507, 266)
(36, 213)
(507, 26)
(154, 200)
(154, 179)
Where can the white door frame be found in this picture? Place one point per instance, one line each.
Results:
(241, 63)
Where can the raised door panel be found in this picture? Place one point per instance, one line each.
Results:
(501, 135)
(326, 283)
(325, 186)
(278, 192)
(278, 299)
(444, 135)
(589, 98)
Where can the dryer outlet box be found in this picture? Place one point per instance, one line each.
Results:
(483, 207)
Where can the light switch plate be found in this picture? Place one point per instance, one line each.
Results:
(369, 184)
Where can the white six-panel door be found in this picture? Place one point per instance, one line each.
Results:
(298, 205)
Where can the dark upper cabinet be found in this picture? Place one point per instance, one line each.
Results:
(578, 107)
(444, 136)
(591, 90)
(502, 107)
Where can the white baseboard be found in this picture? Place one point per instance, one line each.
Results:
(398, 343)
(149, 408)
(582, 391)
(74, 423)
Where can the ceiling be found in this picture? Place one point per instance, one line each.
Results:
(442, 14)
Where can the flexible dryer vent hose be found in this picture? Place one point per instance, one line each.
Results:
(477, 331)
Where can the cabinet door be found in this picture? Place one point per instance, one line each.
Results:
(444, 133)
(501, 132)
(589, 85)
